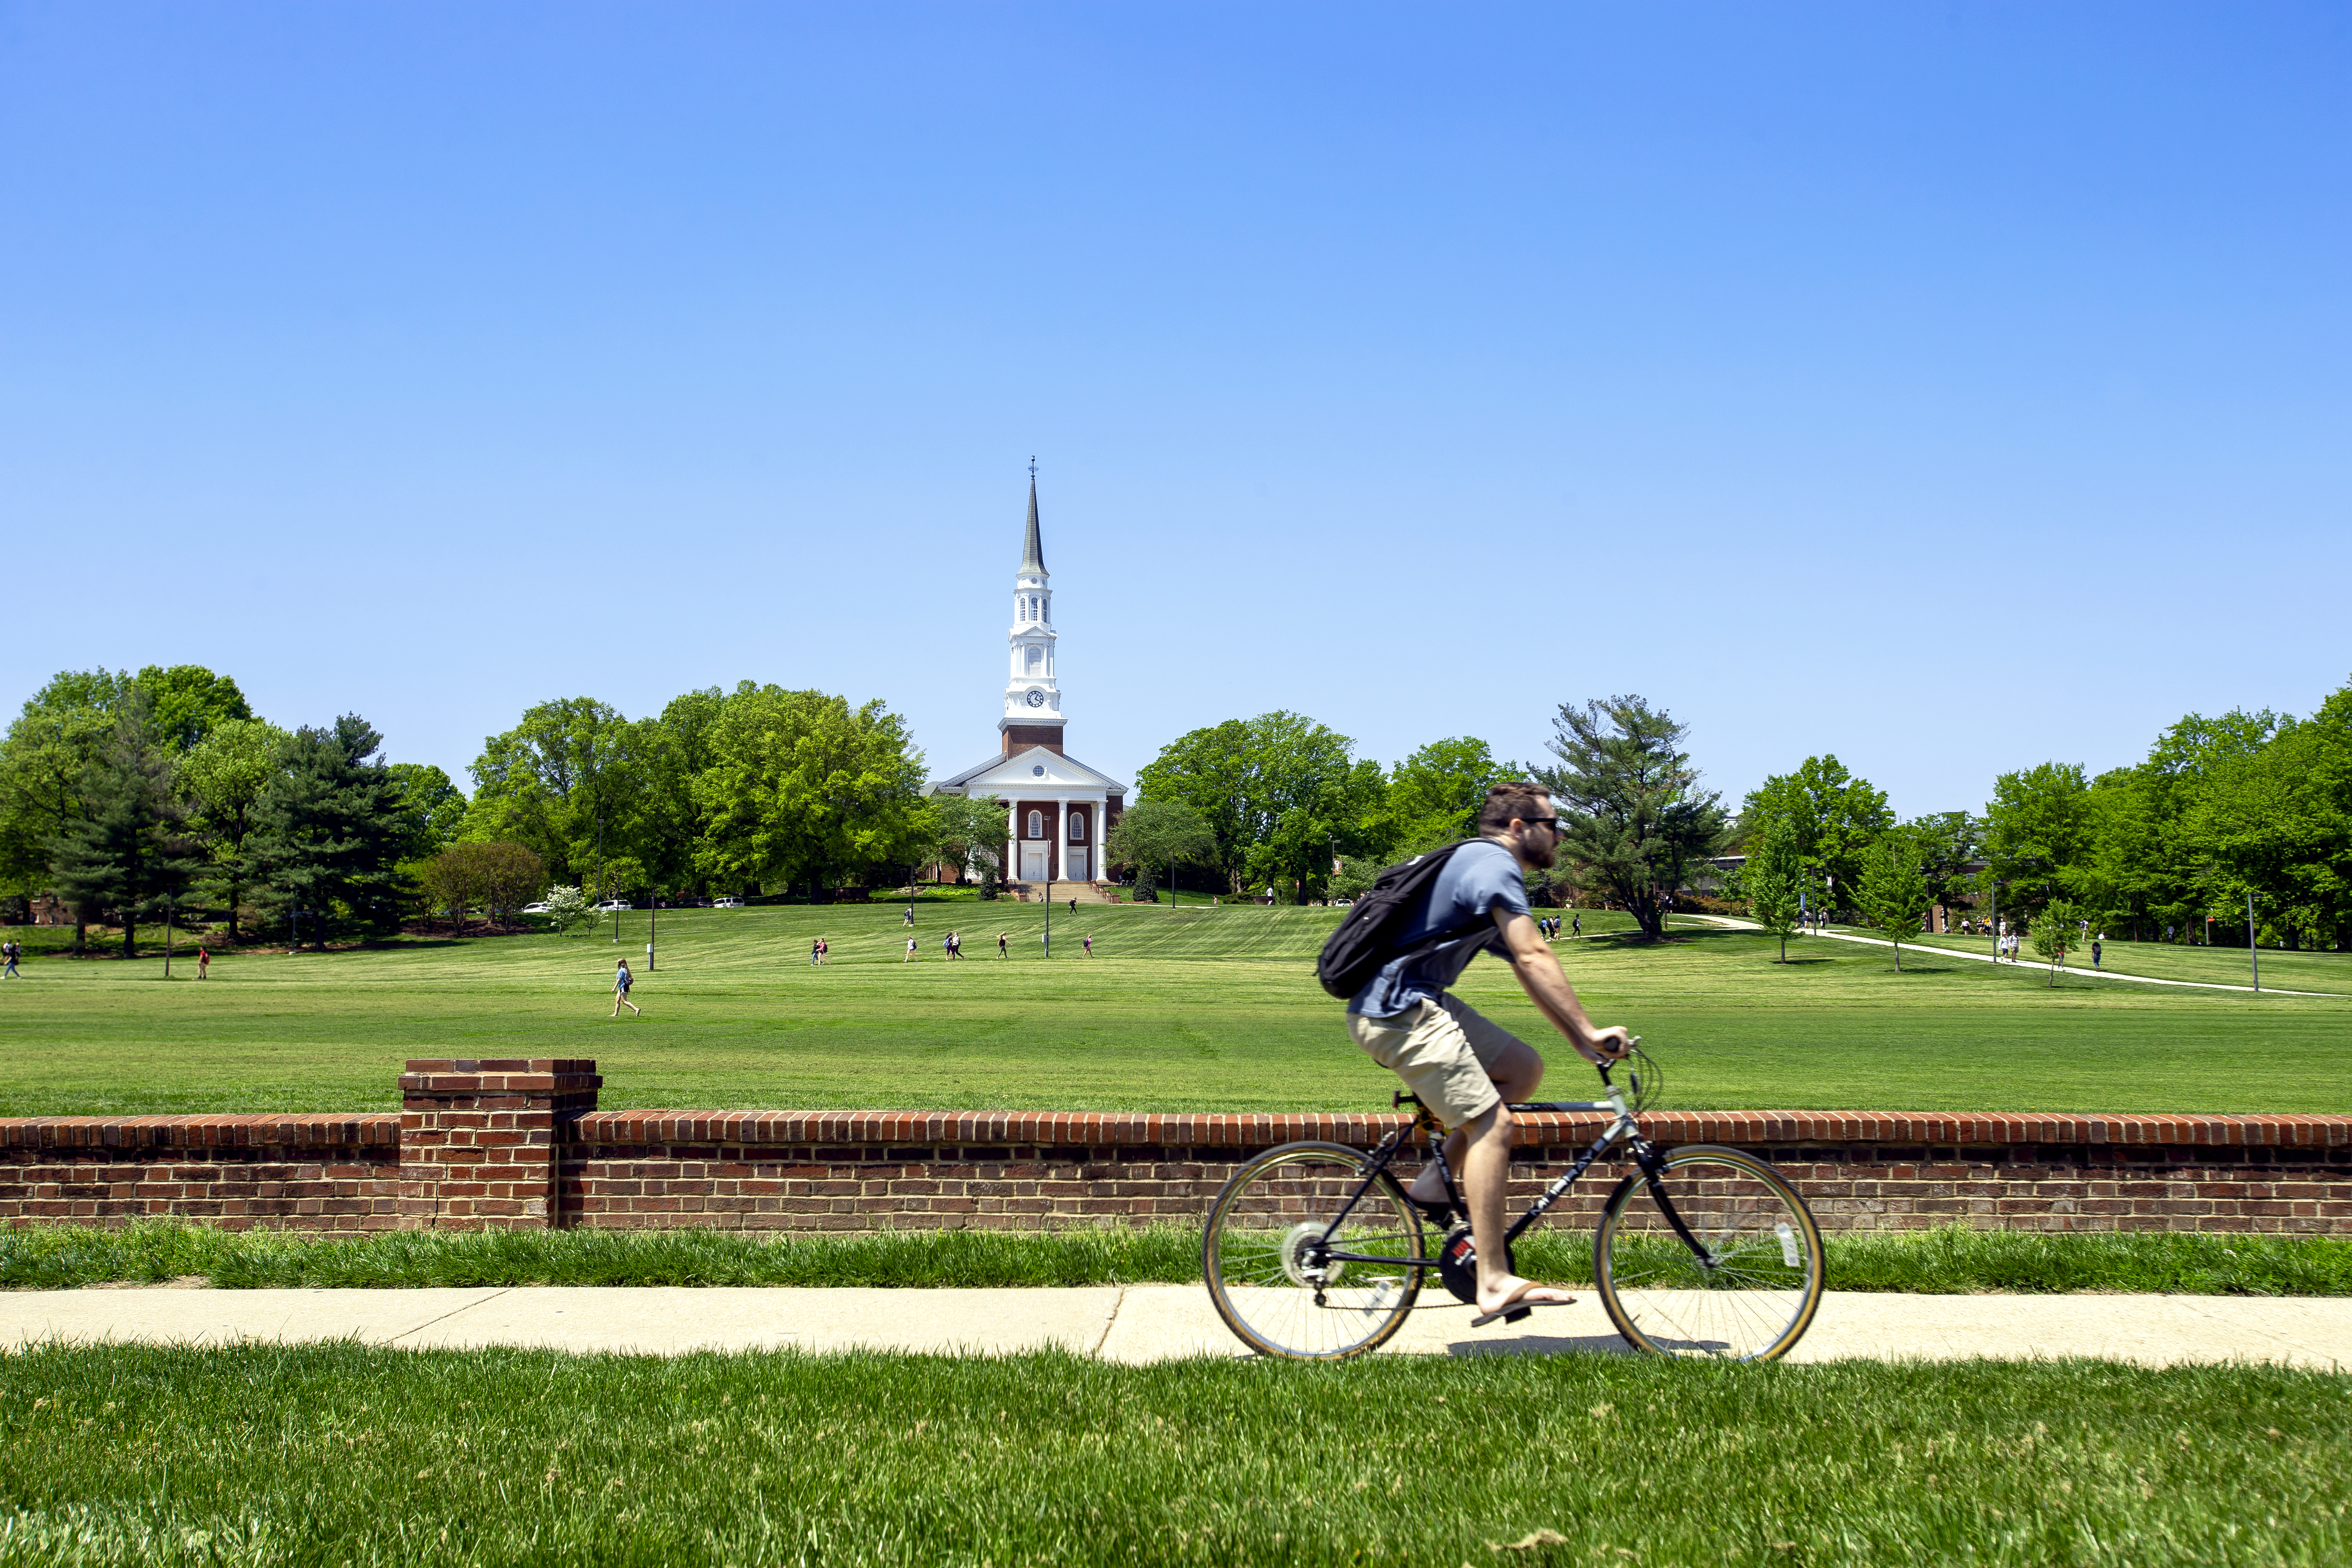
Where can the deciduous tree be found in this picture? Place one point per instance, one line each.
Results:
(1893, 894)
(225, 774)
(1772, 877)
(1154, 833)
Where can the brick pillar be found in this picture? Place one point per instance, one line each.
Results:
(479, 1140)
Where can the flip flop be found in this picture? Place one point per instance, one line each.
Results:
(1518, 1310)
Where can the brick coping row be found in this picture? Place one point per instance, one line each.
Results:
(1194, 1130)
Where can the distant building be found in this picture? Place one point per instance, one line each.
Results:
(1058, 808)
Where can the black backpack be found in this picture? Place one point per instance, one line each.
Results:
(1367, 938)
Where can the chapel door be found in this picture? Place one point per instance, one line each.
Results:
(1032, 862)
(1074, 858)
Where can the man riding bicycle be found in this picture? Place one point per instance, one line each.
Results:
(1463, 1068)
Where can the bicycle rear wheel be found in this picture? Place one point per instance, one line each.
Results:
(1264, 1254)
(1754, 1292)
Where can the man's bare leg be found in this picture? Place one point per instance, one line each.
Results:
(1485, 1174)
(1517, 1075)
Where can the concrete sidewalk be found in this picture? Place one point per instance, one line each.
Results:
(1732, 922)
(1138, 1323)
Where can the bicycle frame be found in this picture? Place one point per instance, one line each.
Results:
(1621, 1128)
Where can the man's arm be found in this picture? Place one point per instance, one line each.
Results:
(1540, 974)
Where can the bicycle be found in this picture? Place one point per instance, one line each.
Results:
(1313, 1250)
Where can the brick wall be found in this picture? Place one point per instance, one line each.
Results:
(519, 1143)
(853, 1171)
(295, 1173)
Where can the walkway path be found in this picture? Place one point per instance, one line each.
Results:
(1137, 1323)
(1734, 923)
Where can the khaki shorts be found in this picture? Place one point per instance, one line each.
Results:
(1443, 1050)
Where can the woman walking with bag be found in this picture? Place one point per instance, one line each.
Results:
(621, 981)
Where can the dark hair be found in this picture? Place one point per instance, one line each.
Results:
(1515, 797)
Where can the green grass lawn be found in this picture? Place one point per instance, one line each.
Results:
(2166, 961)
(328, 1454)
(1189, 1008)
(1952, 1260)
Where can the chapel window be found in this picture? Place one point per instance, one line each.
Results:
(1036, 825)
(1077, 828)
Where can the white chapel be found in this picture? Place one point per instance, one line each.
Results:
(1058, 808)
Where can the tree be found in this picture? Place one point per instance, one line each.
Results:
(1435, 794)
(1633, 820)
(2037, 832)
(189, 703)
(433, 805)
(968, 832)
(1948, 843)
(1893, 895)
(1154, 832)
(330, 830)
(674, 751)
(128, 853)
(1280, 793)
(568, 782)
(497, 877)
(1832, 816)
(803, 788)
(225, 774)
(44, 763)
(568, 910)
(2053, 932)
(1773, 874)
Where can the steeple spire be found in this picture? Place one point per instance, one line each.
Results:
(1033, 548)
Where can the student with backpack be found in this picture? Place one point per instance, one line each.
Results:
(1394, 957)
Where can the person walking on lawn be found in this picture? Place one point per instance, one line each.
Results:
(8, 952)
(1464, 1068)
(816, 948)
(910, 951)
(1090, 944)
(1000, 938)
(621, 981)
(204, 962)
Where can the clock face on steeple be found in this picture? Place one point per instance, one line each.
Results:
(1035, 697)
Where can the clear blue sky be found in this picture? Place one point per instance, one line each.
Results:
(1949, 386)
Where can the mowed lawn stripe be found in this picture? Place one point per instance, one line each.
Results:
(1193, 1009)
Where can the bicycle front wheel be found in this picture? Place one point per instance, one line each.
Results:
(1266, 1254)
(1749, 1289)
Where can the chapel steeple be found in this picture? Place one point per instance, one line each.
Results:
(1033, 699)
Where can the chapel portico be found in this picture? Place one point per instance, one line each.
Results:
(1056, 808)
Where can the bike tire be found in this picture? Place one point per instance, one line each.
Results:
(1759, 1297)
(1255, 1255)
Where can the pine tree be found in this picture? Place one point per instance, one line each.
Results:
(329, 831)
(128, 853)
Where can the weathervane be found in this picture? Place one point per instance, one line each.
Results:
(1032, 467)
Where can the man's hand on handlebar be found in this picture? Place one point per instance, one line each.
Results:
(1609, 1045)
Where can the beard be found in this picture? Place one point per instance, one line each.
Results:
(1541, 855)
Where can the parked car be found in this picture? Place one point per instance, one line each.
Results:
(609, 905)
(727, 903)
(537, 909)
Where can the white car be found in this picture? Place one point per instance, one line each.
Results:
(538, 909)
(725, 903)
(609, 905)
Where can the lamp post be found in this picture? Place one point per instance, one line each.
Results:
(2253, 948)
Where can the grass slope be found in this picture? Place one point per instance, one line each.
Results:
(351, 1454)
(1189, 1008)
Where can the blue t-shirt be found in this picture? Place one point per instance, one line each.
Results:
(1482, 876)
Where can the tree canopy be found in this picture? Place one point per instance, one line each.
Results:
(1633, 820)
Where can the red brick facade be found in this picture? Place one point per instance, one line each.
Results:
(486, 1144)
